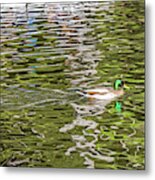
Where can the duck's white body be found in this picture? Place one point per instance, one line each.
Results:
(105, 97)
(101, 93)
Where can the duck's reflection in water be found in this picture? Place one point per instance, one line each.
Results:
(85, 147)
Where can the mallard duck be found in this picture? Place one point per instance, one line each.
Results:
(104, 93)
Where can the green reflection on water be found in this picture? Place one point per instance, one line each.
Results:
(118, 106)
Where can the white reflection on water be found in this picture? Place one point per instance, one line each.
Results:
(82, 70)
(82, 145)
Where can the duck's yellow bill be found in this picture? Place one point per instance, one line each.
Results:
(126, 86)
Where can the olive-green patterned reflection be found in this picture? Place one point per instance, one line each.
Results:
(50, 50)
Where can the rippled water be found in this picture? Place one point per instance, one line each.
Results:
(50, 50)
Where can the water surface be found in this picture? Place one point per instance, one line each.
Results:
(47, 52)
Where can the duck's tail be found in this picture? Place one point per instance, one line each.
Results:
(81, 92)
(78, 91)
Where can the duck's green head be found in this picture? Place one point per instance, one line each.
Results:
(118, 84)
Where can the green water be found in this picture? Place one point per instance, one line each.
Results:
(48, 51)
